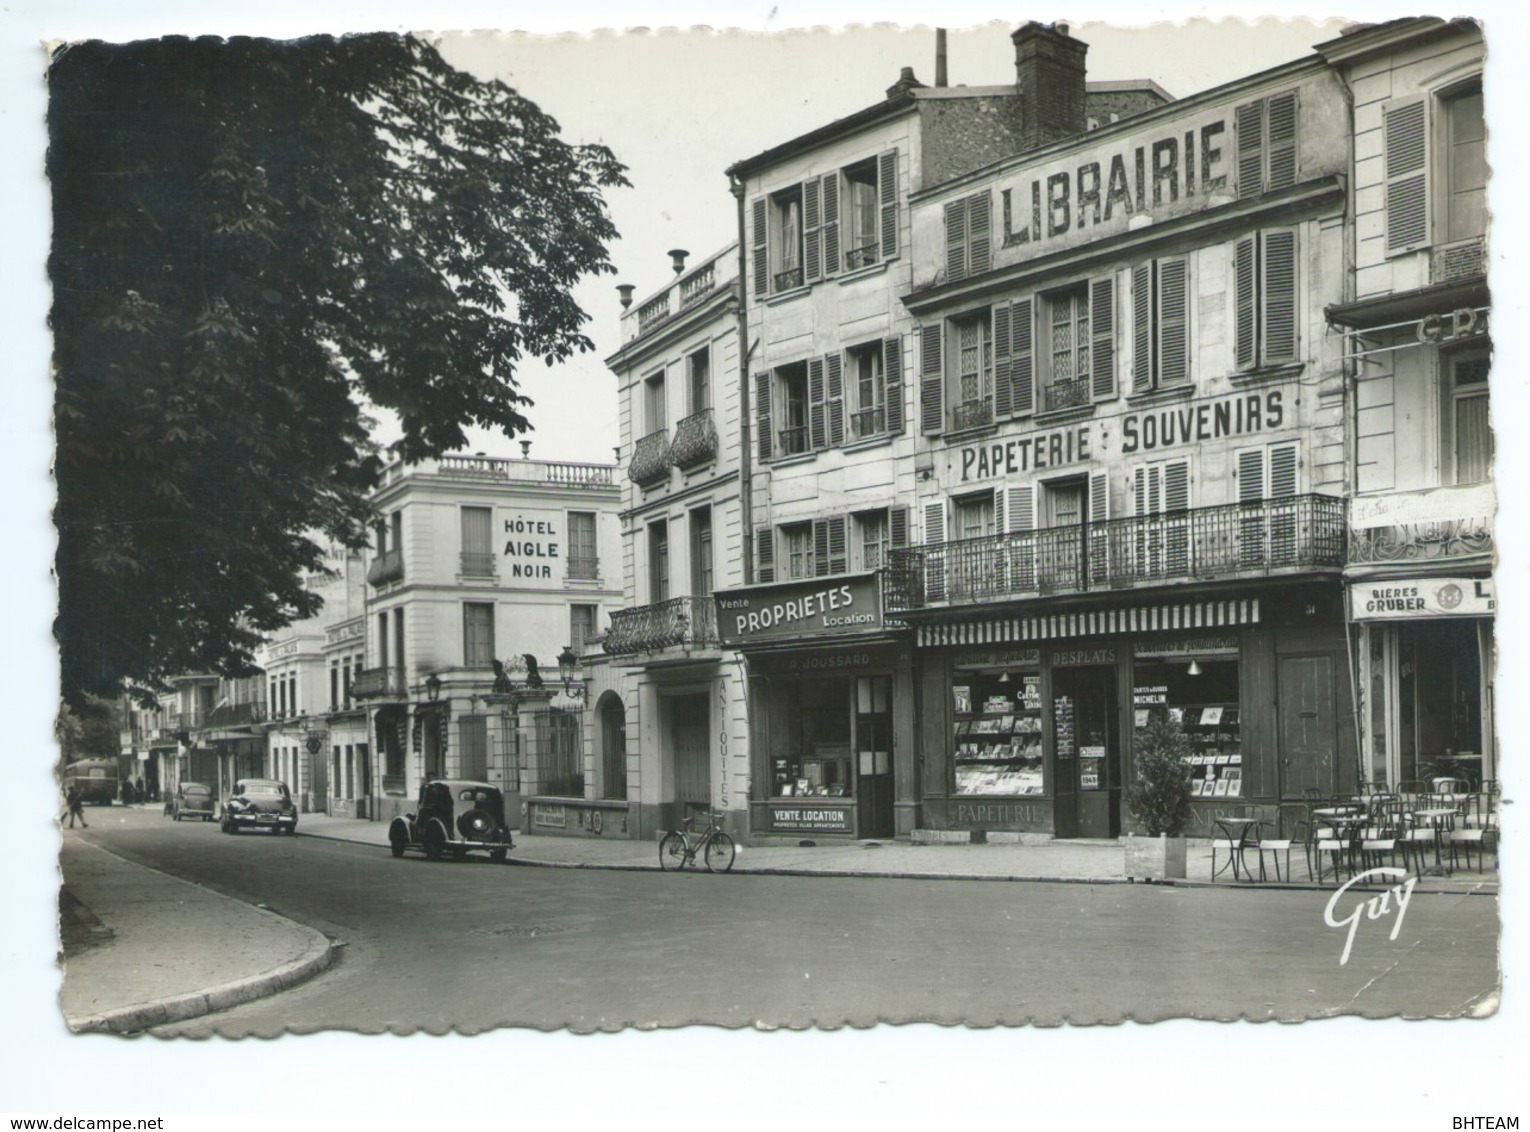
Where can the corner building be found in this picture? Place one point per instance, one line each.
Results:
(1130, 466)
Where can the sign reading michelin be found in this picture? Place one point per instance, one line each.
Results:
(800, 609)
(1421, 597)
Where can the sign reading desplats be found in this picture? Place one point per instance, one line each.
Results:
(814, 608)
(1422, 597)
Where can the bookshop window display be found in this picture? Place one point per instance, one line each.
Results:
(815, 759)
(1202, 695)
(998, 733)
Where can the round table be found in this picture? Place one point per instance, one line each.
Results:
(1435, 818)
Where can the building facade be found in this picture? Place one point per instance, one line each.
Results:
(1418, 347)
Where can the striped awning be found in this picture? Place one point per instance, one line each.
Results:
(1093, 623)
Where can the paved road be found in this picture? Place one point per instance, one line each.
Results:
(471, 945)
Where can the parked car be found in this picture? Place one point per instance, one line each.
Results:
(260, 803)
(454, 816)
(192, 800)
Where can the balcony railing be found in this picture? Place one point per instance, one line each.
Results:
(583, 567)
(698, 286)
(1065, 395)
(666, 624)
(792, 441)
(788, 279)
(234, 715)
(653, 312)
(477, 564)
(1464, 260)
(972, 414)
(525, 471)
(386, 567)
(375, 683)
(863, 256)
(650, 459)
(1251, 540)
(868, 422)
(695, 440)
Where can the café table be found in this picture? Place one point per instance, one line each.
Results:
(1235, 828)
(1346, 823)
(1438, 819)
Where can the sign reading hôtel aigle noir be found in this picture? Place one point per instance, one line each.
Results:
(815, 607)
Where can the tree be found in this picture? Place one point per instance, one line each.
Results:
(254, 240)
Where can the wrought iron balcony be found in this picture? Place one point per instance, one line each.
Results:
(386, 567)
(1298, 534)
(234, 715)
(1464, 260)
(379, 683)
(1431, 525)
(650, 459)
(788, 279)
(792, 441)
(863, 256)
(695, 440)
(583, 567)
(477, 564)
(666, 624)
(972, 414)
(1065, 394)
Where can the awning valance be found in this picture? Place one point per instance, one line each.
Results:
(1093, 623)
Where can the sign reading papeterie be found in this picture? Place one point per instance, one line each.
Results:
(844, 606)
(1422, 597)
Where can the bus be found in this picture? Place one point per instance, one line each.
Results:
(96, 779)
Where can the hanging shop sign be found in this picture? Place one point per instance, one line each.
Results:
(801, 609)
(1421, 598)
(810, 819)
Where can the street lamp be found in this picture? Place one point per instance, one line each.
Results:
(568, 669)
(433, 687)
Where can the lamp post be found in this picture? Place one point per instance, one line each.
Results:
(568, 670)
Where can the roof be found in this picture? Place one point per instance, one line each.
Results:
(887, 108)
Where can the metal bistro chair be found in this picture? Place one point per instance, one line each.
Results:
(1383, 832)
(1478, 825)
(1335, 839)
(1275, 846)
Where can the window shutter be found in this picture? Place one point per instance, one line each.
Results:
(1176, 504)
(1099, 532)
(1249, 122)
(1022, 359)
(892, 373)
(765, 552)
(812, 229)
(1020, 520)
(1102, 337)
(1176, 486)
(1282, 471)
(839, 557)
(762, 414)
(980, 232)
(817, 420)
(1245, 328)
(1282, 141)
(830, 224)
(1142, 327)
(820, 547)
(1099, 497)
(897, 527)
(934, 562)
(931, 401)
(956, 240)
(1173, 323)
(1003, 390)
(834, 369)
(1278, 267)
(761, 259)
(887, 189)
(1406, 136)
(998, 511)
(1282, 516)
(1251, 475)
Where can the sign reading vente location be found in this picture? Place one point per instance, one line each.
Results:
(1421, 597)
(801, 609)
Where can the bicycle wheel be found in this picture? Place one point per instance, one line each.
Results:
(672, 851)
(720, 853)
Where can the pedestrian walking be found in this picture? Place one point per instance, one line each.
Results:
(74, 806)
(138, 789)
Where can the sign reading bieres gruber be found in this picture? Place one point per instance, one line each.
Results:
(1424, 597)
(800, 609)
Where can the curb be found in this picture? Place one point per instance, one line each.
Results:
(178, 1008)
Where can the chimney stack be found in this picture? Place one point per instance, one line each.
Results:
(1049, 78)
(940, 57)
(906, 82)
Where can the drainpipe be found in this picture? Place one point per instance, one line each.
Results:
(745, 443)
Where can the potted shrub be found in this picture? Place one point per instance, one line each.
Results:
(1159, 800)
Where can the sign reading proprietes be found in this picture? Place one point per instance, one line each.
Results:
(802, 609)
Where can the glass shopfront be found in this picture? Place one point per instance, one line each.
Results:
(997, 730)
(1199, 691)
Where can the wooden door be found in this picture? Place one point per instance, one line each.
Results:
(690, 718)
(1308, 724)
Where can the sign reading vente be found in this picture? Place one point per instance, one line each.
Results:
(800, 609)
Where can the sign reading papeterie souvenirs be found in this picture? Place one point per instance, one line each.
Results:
(1423, 597)
(844, 606)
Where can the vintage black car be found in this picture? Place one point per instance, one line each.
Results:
(192, 800)
(260, 803)
(454, 817)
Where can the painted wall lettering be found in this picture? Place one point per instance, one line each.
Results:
(531, 547)
(1241, 414)
(1025, 453)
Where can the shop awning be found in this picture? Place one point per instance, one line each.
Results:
(1092, 623)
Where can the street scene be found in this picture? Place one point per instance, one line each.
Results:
(1003, 538)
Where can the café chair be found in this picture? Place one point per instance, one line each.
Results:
(1275, 846)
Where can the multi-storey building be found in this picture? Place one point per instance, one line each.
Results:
(484, 573)
(1418, 351)
(669, 729)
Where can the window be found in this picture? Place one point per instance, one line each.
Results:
(698, 368)
(654, 406)
(1465, 166)
(875, 534)
(1413, 219)
(972, 368)
(1160, 325)
(1470, 429)
(701, 551)
(334, 686)
(801, 407)
(1267, 516)
(797, 550)
(969, 236)
(1067, 373)
(863, 238)
(473, 735)
(583, 563)
(1160, 502)
(830, 552)
(565, 759)
(841, 220)
(582, 626)
(868, 387)
(658, 561)
(477, 549)
(1266, 144)
(792, 396)
(1264, 294)
(786, 239)
(477, 634)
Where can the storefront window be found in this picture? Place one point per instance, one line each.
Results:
(1202, 695)
(815, 759)
(998, 733)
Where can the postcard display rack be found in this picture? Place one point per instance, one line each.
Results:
(1217, 764)
(998, 737)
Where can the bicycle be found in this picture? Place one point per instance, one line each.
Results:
(680, 846)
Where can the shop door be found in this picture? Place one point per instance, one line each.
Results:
(1308, 728)
(690, 725)
(318, 777)
(1086, 735)
(873, 745)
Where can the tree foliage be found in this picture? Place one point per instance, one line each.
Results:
(253, 240)
(1159, 794)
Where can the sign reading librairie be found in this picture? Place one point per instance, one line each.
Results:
(1421, 597)
(809, 819)
(820, 607)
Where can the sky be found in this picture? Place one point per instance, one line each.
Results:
(678, 110)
